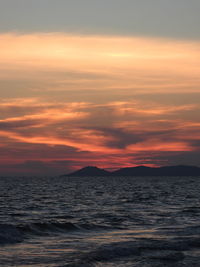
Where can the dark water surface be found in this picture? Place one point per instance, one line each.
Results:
(108, 221)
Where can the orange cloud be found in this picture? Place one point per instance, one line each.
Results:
(150, 109)
(159, 145)
(63, 62)
(76, 125)
(82, 140)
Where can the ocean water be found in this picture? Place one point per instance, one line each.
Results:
(107, 221)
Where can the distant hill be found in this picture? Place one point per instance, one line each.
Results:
(139, 171)
(162, 171)
(90, 171)
(135, 171)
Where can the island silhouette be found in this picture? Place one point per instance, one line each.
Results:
(179, 170)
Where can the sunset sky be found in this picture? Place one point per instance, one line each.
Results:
(110, 83)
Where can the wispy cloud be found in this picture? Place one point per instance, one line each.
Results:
(61, 62)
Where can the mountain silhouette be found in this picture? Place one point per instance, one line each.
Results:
(90, 171)
(161, 171)
(180, 170)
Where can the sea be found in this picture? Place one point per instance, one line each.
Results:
(100, 221)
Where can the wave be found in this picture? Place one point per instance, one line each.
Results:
(151, 249)
(168, 252)
(10, 234)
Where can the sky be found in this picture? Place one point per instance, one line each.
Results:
(107, 83)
